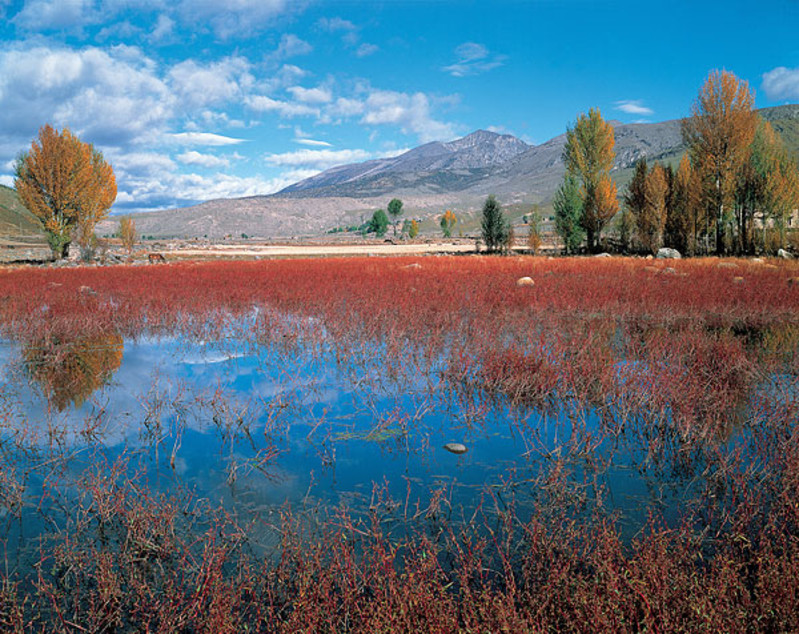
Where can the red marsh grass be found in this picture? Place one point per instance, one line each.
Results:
(671, 357)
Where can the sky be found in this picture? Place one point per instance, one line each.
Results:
(193, 100)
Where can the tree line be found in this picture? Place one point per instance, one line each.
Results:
(733, 192)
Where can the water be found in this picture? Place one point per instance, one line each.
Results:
(258, 427)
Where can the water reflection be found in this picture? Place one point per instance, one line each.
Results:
(69, 371)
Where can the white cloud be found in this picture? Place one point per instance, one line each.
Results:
(365, 49)
(105, 96)
(261, 103)
(202, 85)
(781, 83)
(46, 15)
(633, 106)
(237, 18)
(311, 95)
(290, 46)
(347, 107)
(192, 157)
(204, 138)
(7, 180)
(163, 29)
(313, 142)
(410, 112)
(473, 59)
(336, 24)
(320, 159)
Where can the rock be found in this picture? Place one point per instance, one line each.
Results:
(603, 255)
(756, 260)
(782, 253)
(737, 280)
(648, 257)
(412, 265)
(727, 265)
(666, 253)
(525, 281)
(455, 447)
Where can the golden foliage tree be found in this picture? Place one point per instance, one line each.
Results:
(686, 218)
(719, 135)
(448, 222)
(589, 155)
(652, 220)
(127, 233)
(66, 184)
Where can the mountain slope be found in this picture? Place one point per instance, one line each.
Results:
(430, 178)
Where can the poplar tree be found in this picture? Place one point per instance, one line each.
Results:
(719, 135)
(66, 184)
(589, 155)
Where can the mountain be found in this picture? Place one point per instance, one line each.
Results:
(430, 178)
(478, 151)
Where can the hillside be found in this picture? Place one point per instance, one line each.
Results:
(15, 220)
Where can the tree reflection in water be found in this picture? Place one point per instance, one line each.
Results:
(69, 370)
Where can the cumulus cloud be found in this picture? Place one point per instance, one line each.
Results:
(262, 103)
(782, 83)
(411, 112)
(633, 106)
(204, 138)
(201, 85)
(319, 159)
(290, 46)
(192, 157)
(106, 96)
(311, 95)
(473, 59)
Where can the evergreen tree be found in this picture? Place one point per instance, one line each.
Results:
(493, 225)
(568, 206)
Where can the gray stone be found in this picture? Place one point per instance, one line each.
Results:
(525, 281)
(668, 254)
(455, 447)
(782, 253)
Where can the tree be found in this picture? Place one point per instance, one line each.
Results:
(395, 211)
(448, 221)
(568, 206)
(494, 227)
(719, 135)
(127, 233)
(589, 155)
(379, 223)
(686, 215)
(413, 230)
(635, 196)
(534, 230)
(67, 185)
(652, 218)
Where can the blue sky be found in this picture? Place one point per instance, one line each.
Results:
(192, 100)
